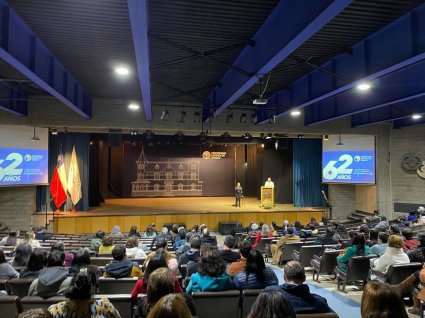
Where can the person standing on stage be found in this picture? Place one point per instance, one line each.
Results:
(238, 194)
(269, 183)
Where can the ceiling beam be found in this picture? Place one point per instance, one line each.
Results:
(288, 26)
(25, 52)
(394, 112)
(408, 121)
(13, 100)
(138, 11)
(394, 47)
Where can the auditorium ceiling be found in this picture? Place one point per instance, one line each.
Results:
(359, 59)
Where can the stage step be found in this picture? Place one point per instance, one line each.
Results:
(362, 213)
(353, 218)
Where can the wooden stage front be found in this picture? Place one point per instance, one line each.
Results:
(193, 210)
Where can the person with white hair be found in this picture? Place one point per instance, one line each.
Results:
(265, 232)
(163, 234)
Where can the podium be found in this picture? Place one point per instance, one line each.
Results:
(267, 197)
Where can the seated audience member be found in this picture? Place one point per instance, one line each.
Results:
(157, 261)
(239, 265)
(358, 247)
(121, 266)
(418, 254)
(256, 275)
(212, 275)
(57, 247)
(164, 234)
(107, 245)
(313, 222)
(271, 303)
(276, 249)
(412, 217)
(327, 238)
(149, 232)
(174, 232)
(277, 227)
(192, 267)
(298, 293)
(22, 254)
(35, 313)
(96, 242)
(6, 270)
(252, 229)
(53, 280)
(394, 229)
(347, 243)
(30, 239)
(82, 260)
(373, 237)
(171, 305)
(194, 252)
(180, 239)
(132, 248)
(133, 232)
(265, 233)
(171, 260)
(364, 230)
(381, 300)
(226, 253)
(207, 238)
(116, 232)
(161, 283)
(393, 255)
(80, 302)
(68, 259)
(383, 224)
(409, 242)
(36, 262)
(11, 240)
(309, 232)
(238, 229)
(382, 245)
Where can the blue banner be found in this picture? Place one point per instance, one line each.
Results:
(23, 166)
(348, 167)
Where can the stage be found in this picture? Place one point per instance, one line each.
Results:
(189, 210)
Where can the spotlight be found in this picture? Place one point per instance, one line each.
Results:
(276, 144)
(182, 119)
(229, 118)
(34, 138)
(272, 119)
(254, 118)
(197, 117)
(134, 132)
(325, 137)
(269, 136)
(133, 106)
(340, 143)
(364, 87)
(295, 113)
(300, 136)
(416, 116)
(164, 115)
(242, 119)
(54, 131)
(122, 70)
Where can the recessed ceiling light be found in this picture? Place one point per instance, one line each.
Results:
(122, 70)
(364, 87)
(295, 113)
(416, 116)
(133, 106)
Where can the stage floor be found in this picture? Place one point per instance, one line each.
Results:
(158, 206)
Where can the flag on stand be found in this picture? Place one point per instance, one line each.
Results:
(58, 183)
(74, 182)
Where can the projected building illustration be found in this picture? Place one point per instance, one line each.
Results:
(166, 178)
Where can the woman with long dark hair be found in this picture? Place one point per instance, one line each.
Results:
(358, 248)
(22, 255)
(271, 303)
(36, 262)
(256, 275)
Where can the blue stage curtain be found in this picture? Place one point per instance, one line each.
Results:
(67, 141)
(307, 172)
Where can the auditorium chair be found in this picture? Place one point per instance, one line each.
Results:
(19, 286)
(32, 302)
(264, 247)
(248, 299)
(121, 302)
(357, 270)
(116, 285)
(288, 251)
(10, 306)
(397, 273)
(324, 264)
(100, 261)
(306, 253)
(324, 315)
(217, 304)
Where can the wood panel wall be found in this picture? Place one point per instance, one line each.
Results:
(91, 224)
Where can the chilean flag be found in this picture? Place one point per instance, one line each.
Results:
(58, 184)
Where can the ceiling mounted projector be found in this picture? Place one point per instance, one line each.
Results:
(260, 101)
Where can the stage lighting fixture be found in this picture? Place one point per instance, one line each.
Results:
(134, 132)
(182, 119)
(325, 137)
(164, 115)
(54, 131)
(276, 144)
(229, 118)
(34, 138)
(122, 70)
(247, 136)
(197, 117)
(416, 116)
(254, 118)
(364, 87)
(300, 136)
(340, 143)
(133, 106)
(272, 119)
(269, 136)
(242, 119)
(295, 113)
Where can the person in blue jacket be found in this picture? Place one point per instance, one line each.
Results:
(211, 276)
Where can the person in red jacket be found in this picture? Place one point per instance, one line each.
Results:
(265, 232)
